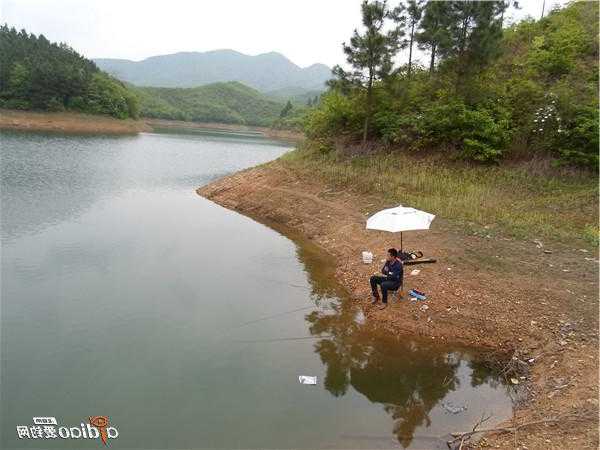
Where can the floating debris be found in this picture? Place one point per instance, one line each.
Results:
(307, 379)
(453, 409)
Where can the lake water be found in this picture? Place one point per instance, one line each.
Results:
(127, 295)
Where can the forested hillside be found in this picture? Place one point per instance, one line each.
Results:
(488, 93)
(230, 102)
(38, 74)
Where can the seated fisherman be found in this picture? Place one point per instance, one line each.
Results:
(391, 280)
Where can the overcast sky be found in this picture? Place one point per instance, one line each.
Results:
(306, 31)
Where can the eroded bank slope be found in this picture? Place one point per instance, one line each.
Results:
(492, 292)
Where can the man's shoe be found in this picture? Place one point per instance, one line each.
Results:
(382, 306)
(375, 300)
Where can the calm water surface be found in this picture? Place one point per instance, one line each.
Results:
(125, 294)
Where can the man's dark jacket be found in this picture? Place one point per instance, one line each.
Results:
(393, 270)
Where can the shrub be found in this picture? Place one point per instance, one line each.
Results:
(107, 96)
(578, 142)
(336, 113)
(474, 134)
(54, 104)
(16, 103)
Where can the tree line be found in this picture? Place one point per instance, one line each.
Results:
(38, 74)
(487, 90)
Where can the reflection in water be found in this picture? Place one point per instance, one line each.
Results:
(51, 178)
(201, 312)
(408, 378)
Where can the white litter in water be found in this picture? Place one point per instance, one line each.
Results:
(306, 379)
(367, 257)
(415, 272)
(452, 408)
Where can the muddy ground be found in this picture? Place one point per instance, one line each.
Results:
(537, 300)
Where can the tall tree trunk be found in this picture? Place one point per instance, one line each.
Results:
(463, 39)
(461, 66)
(368, 114)
(432, 62)
(412, 33)
(543, 8)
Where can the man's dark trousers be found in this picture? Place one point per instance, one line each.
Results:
(386, 285)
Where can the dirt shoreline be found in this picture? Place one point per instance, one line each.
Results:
(68, 122)
(490, 292)
(78, 123)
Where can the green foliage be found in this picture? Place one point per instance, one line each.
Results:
(105, 95)
(287, 109)
(336, 114)
(298, 96)
(230, 102)
(564, 40)
(38, 74)
(579, 141)
(434, 34)
(370, 54)
(475, 134)
(295, 120)
(534, 94)
(408, 16)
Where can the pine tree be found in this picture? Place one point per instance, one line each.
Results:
(475, 33)
(370, 54)
(409, 15)
(508, 4)
(435, 30)
(286, 109)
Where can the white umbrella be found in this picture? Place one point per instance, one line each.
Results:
(400, 219)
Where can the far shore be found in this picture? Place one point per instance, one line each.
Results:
(287, 135)
(68, 122)
(79, 123)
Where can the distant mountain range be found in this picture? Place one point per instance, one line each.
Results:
(265, 72)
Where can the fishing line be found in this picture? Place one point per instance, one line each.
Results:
(302, 338)
(272, 316)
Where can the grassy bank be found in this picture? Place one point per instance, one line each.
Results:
(526, 201)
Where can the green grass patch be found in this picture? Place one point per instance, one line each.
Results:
(523, 202)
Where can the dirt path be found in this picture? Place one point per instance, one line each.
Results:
(488, 291)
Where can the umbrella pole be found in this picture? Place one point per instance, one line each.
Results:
(401, 241)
